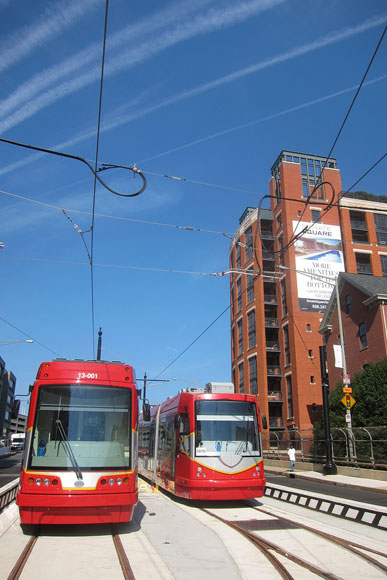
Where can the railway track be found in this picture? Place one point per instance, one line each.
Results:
(254, 530)
(22, 561)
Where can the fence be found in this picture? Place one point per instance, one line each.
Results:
(359, 446)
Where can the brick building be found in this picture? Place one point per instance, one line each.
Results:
(363, 312)
(285, 262)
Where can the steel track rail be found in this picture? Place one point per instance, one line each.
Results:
(348, 545)
(265, 546)
(125, 566)
(22, 560)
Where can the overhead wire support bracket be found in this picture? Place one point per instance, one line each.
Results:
(82, 160)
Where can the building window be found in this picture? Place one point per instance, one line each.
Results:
(311, 172)
(251, 328)
(253, 375)
(381, 228)
(238, 255)
(233, 342)
(283, 297)
(312, 381)
(249, 243)
(241, 378)
(383, 261)
(316, 215)
(363, 335)
(308, 328)
(359, 227)
(310, 353)
(279, 221)
(286, 345)
(363, 263)
(250, 289)
(239, 291)
(289, 395)
(240, 337)
(281, 247)
(348, 304)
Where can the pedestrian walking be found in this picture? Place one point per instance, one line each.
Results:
(292, 456)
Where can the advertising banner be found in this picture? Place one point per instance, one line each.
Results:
(319, 254)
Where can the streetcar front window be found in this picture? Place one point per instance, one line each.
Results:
(226, 427)
(90, 422)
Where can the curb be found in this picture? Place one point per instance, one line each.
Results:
(350, 511)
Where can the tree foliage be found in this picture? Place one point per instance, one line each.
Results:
(369, 389)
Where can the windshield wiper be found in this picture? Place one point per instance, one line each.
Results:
(69, 451)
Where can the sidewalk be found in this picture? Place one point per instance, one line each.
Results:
(340, 480)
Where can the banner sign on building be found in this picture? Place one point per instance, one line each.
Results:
(319, 254)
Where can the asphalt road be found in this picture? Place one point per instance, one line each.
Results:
(10, 468)
(351, 493)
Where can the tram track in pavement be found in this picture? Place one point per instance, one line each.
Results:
(37, 532)
(276, 554)
(353, 547)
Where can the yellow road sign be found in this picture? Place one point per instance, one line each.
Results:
(347, 389)
(348, 401)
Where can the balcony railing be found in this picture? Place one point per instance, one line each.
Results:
(358, 225)
(267, 235)
(364, 268)
(273, 370)
(267, 255)
(271, 323)
(273, 345)
(270, 299)
(276, 422)
(275, 397)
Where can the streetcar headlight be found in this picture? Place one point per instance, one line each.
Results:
(118, 481)
(111, 481)
(38, 481)
(46, 481)
(199, 468)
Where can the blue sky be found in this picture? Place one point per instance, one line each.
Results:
(209, 91)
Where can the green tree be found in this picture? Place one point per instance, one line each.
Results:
(369, 389)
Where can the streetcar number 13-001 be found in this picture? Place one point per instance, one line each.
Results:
(87, 375)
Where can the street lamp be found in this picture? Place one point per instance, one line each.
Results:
(5, 342)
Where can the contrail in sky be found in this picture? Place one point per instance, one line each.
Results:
(186, 26)
(51, 23)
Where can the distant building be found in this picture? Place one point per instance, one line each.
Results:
(19, 424)
(363, 311)
(7, 397)
(285, 262)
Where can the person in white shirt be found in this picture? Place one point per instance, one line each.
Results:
(292, 457)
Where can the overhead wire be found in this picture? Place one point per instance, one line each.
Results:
(114, 217)
(29, 336)
(134, 170)
(91, 255)
(311, 194)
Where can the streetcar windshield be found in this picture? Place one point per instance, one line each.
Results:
(226, 427)
(89, 421)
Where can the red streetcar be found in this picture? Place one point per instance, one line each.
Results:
(204, 444)
(80, 457)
